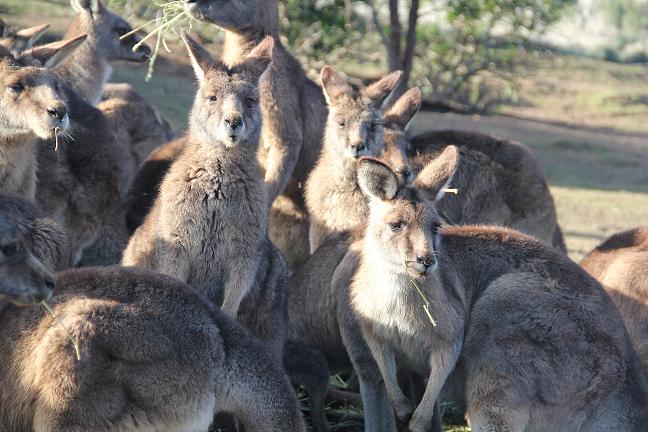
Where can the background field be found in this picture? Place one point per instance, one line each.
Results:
(585, 119)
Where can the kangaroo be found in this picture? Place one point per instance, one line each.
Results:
(539, 342)
(208, 224)
(89, 69)
(498, 182)
(619, 264)
(33, 107)
(18, 40)
(353, 129)
(294, 114)
(77, 181)
(31, 248)
(153, 354)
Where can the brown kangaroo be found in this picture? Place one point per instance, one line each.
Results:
(89, 69)
(353, 129)
(153, 354)
(208, 225)
(31, 248)
(18, 40)
(498, 182)
(33, 107)
(620, 264)
(540, 344)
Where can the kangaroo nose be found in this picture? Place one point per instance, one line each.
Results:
(358, 146)
(58, 112)
(425, 260)
(234, 121)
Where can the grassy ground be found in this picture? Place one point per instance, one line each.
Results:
(586, 121)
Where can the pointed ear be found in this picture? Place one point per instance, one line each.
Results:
(201, 59)
(93, 7)
(376, 179)
(32, 34)
(381, 89)
(260, 57)
(53, 53)
(333, 85)
(437, 174)
(403, 111)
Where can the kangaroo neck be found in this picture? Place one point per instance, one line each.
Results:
(239, 43)
(86, 70)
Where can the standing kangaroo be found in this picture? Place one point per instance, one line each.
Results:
(539, 343)
(498, 182)
(131, 350)
(18, 40)
(33, 107)
(620, 264)
(354, 129)
(294, 114)
(208, 224)
(31, 248)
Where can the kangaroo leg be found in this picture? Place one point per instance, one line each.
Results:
(308, 367)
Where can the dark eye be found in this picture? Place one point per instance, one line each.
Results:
(250, 102)
(17, 88)
(436, 227)
(341, 123)
(396, 226)
(372, 127)
(10, 249)
(212, 98)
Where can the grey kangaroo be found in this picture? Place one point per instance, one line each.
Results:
(539, 343)
(208, 225)
(131, 350)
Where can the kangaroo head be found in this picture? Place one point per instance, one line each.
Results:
(234, 16)
(16, 41)
(25, 273)
(395, 121)
(226, 109)
(403, 220)
(104, 29)
(32, 100)
(354, 128)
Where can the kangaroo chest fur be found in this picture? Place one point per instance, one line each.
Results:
(390, 304)
(214, 206)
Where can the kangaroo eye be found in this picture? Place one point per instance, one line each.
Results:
(250, 102)
(372, 127)
(436, 227)
(17, 88)
(396, 226)
(212, 98)
(10, 249)
(342, 123)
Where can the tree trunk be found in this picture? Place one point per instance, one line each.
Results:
(394, 49)
(410, 46)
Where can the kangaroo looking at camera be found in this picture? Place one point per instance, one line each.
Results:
(540, 345)
(33, 107)
(354, 129)
(208, 224)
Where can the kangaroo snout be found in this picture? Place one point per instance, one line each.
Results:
(234, 121)
(426, 260)
(57, 111)
(358, 148)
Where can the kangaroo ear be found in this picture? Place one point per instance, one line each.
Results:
(381, 89)
(53, 53)
(376, 179)
(93, 7)
(437, 174)
(260, 57)
(32, 34)
(403, 111)
(333, 85)
(201, 59)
